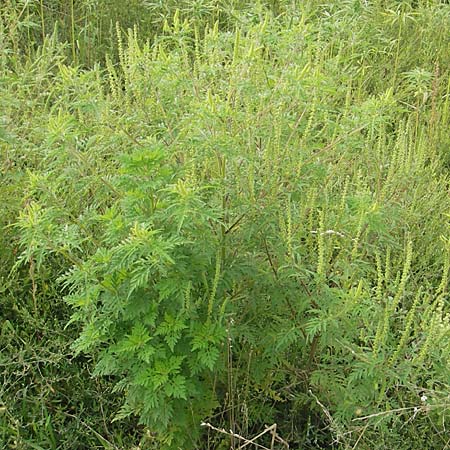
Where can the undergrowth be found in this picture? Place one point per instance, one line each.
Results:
(233, 215)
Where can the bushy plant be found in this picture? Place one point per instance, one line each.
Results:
(259, 231)
(147, 296)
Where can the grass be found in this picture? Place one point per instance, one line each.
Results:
(305, 165)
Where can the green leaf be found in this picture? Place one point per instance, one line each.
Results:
(176, 387)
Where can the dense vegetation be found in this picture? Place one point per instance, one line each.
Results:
(228, 214)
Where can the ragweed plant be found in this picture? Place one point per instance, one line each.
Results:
(131, 297)
(247, 215)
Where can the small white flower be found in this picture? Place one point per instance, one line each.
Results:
(424, 398)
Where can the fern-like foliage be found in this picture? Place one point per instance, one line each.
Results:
(130, 296)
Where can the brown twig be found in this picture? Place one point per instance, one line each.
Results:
(272, 429)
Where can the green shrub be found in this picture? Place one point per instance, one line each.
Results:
(250, 226)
